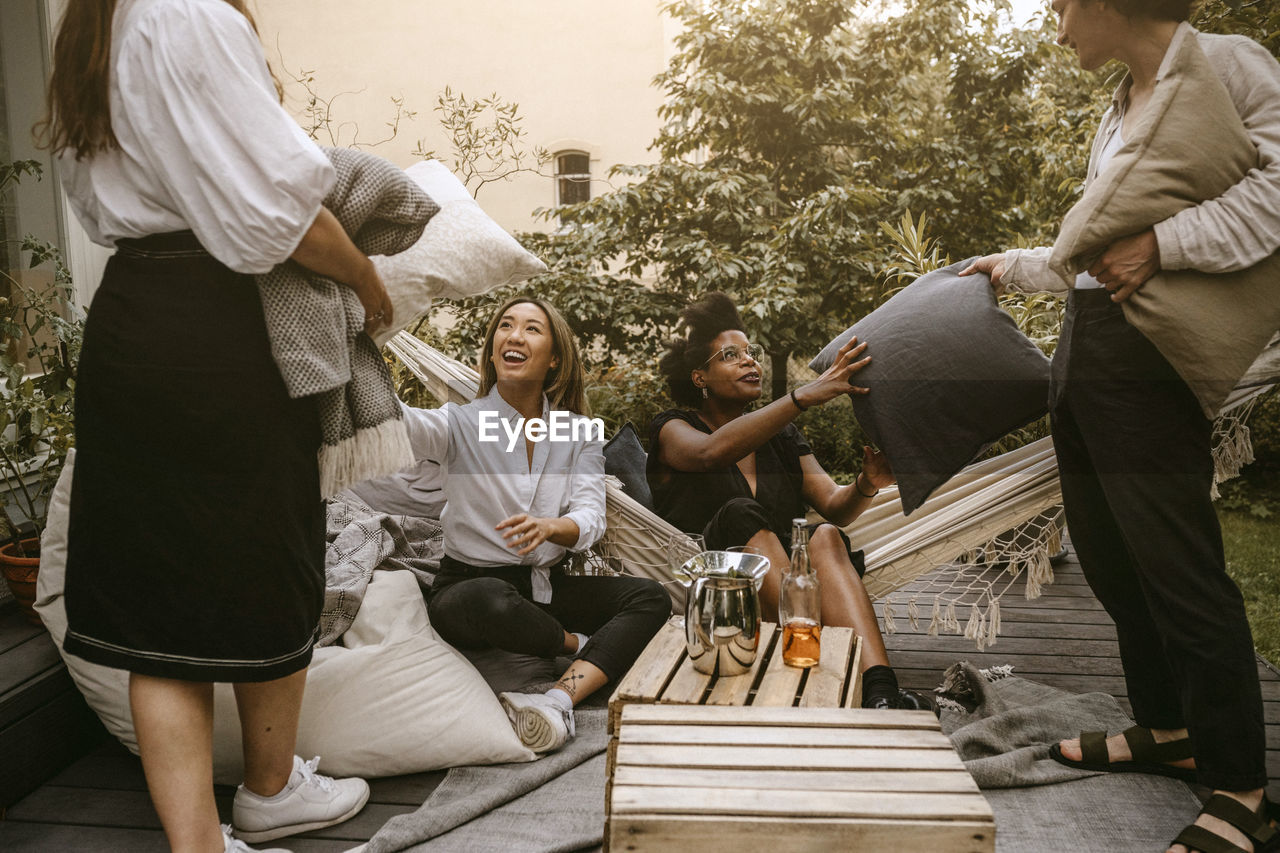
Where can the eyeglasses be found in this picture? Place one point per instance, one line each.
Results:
(733, 353)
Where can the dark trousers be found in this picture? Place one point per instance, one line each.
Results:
(1134, 455)
(492, 607)
(741, 518)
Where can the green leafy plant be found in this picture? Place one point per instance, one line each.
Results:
(487, 136)
(322, 125)
(625, 392)
(916, 251)
(42, 331)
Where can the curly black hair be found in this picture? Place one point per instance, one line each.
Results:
(705, 320)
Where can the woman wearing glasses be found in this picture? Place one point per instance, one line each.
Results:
(738, 477)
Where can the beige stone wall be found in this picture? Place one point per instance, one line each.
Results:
(579, 69)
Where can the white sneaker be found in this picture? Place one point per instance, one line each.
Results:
(309, 801)
(230, 844)
(542, 724)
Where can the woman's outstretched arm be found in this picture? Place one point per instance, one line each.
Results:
(841, 505)
(685, 448)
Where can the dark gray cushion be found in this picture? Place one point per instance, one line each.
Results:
(950, 373)
(624, 458)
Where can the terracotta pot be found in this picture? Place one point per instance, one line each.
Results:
(20, 573)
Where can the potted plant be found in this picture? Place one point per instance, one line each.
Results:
(40, 332)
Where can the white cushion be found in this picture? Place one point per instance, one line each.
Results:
(393, 699)
(462, 252)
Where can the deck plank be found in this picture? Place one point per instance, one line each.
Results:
(1064, 639)
(133, 810)
(14, 629)
(26, 660)
(72, 838)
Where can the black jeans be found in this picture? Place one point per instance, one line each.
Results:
(475, 607)
(1133, 451)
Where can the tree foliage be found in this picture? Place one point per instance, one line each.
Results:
(1257, 19)
(791, 130)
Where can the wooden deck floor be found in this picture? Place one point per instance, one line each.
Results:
(1063, 638)
(100, 804)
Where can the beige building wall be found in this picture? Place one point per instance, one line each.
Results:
(581, 71)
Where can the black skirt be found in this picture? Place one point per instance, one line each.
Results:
(196, 541)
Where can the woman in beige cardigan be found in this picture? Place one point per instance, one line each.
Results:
(1133, 440)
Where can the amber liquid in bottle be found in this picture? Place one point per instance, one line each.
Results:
(799, 604)
(800, 643)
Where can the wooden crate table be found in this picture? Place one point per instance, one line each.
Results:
(663, 675)
(779, 759)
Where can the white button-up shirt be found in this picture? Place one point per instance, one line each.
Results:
(486, 483)
(204, 144)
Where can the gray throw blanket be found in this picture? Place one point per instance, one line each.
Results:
(316, 326)
(360, 540)
(1002, 726)
(553, 804)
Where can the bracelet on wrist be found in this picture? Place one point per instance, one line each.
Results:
(796, 400)
(857, 485)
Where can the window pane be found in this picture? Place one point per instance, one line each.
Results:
(575, 190)
(573, 164)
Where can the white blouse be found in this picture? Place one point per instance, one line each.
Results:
(485, 483)
(204, 143)
(1106, 154)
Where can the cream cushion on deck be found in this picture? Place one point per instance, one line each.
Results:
(392, 699)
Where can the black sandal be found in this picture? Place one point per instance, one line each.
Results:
(1256, 826)
(1148, 756)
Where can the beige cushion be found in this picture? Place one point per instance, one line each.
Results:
(392, 699)
(1189, 146)
(462, 252)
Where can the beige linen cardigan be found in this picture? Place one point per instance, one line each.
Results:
(1190, 146)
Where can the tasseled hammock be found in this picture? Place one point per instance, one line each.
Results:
(981, 530)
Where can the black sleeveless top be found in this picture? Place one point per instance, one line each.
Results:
(689, 499)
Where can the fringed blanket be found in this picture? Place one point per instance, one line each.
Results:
(316, 326)
(1002, 726)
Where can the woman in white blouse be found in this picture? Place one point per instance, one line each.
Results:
(524, 487)
(196, 542)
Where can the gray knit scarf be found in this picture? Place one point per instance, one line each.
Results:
(316, 326)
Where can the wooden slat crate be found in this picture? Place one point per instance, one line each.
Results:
(663, 675)
(737, 779)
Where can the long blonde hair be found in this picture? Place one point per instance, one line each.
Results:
(565, 384)
(78, 109)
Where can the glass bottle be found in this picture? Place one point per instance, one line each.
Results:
(799, 602)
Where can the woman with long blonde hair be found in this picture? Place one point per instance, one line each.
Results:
(524, 489)
(196, 541)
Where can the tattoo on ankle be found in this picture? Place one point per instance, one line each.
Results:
(569, 682)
